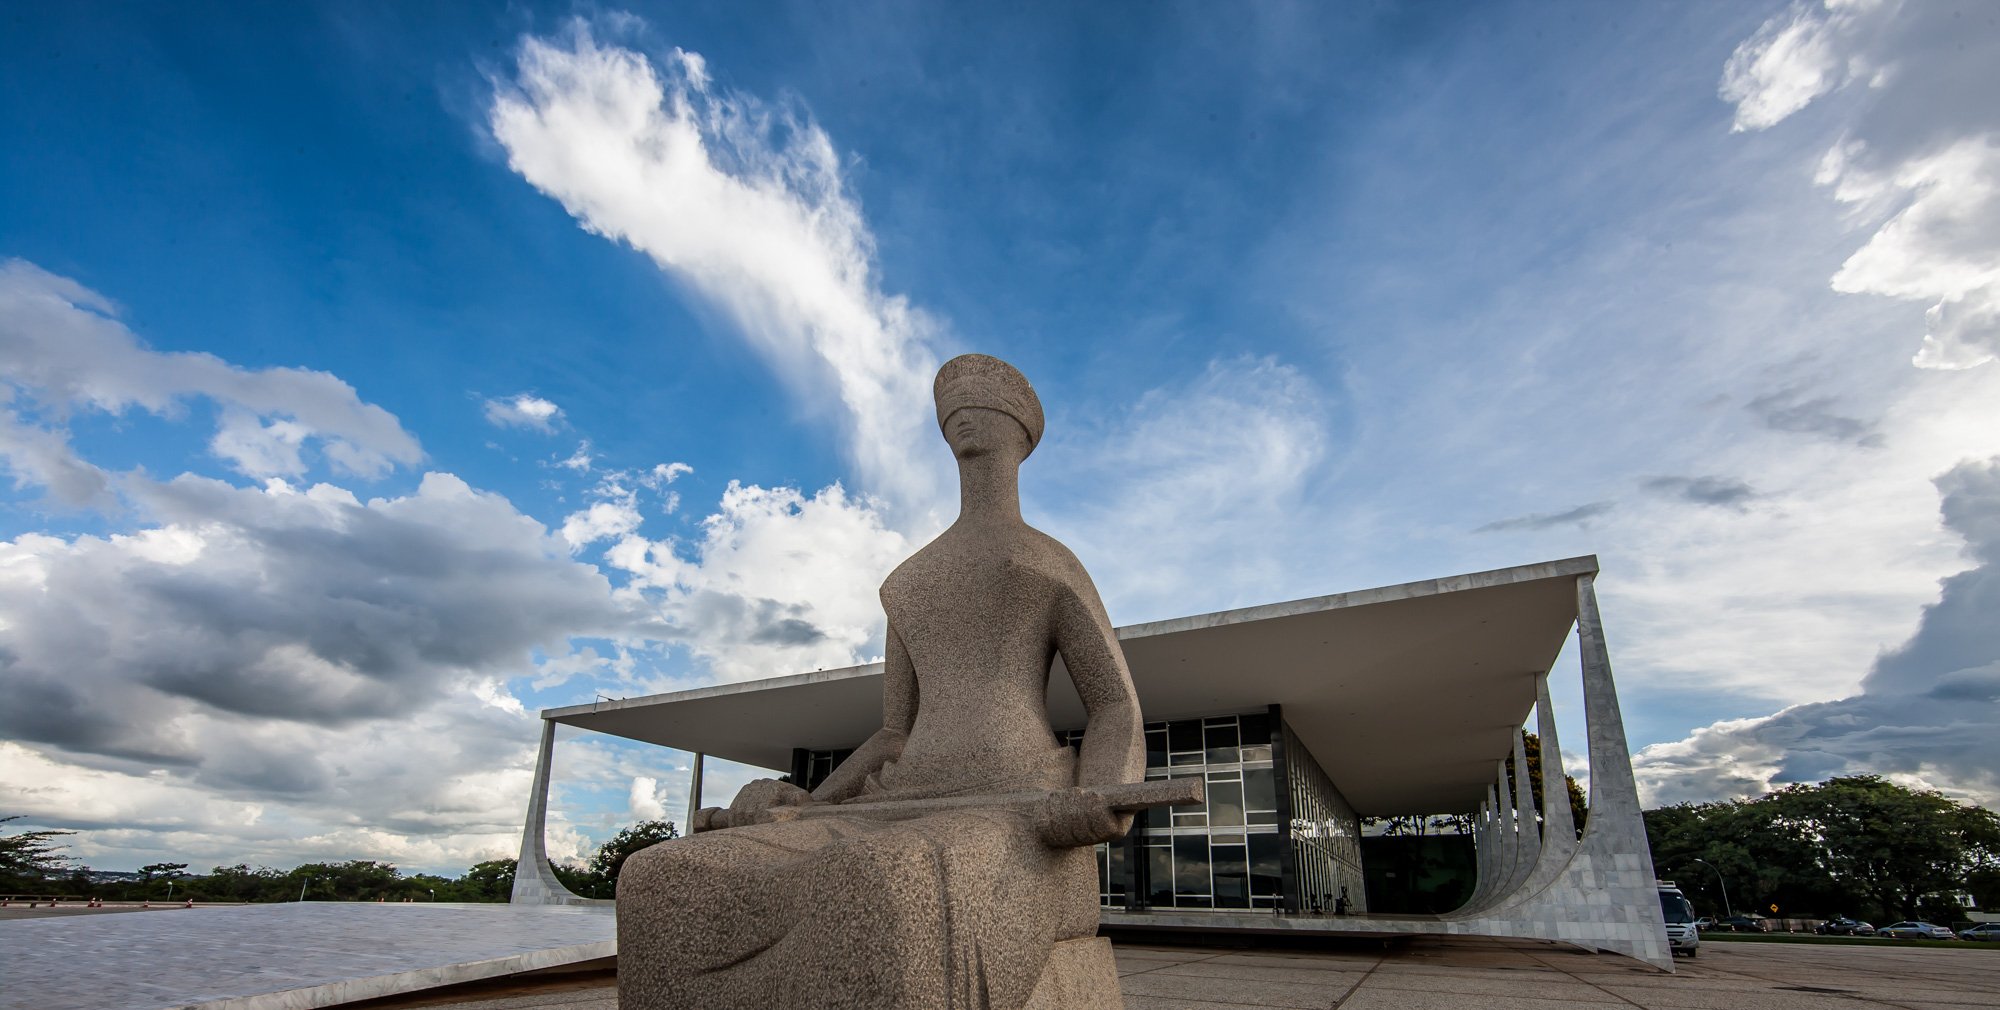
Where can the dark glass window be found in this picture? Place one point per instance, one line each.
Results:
(1156, 748)
(1219, 738)
(1256, 737)
(1160, 870)
(1113, 884)
(1265, 877)
(1225, 802)
(1232, 876)
(1190, 867)
(1184, 742)
(1260, 792)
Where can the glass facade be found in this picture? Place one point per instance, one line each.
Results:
(1273, 832)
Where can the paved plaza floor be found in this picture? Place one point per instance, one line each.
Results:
(1452, 973)
(290, 956)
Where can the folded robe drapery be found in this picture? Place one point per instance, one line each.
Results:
(953, 910)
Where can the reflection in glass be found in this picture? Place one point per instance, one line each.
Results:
(1225, 803)
(1232, 876)
(1265, 876)
(1190, 867)
(1220, 741)
(1160, 873)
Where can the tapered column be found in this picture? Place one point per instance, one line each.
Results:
(694, 793)
(534, 882)
(1528, 844)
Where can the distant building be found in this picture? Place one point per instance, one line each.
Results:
(1303, 718)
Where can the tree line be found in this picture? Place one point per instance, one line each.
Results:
(1859, 845)
(32, 863)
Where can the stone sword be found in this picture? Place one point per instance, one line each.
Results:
(1123, 797)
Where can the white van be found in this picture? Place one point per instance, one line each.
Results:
(1683, 937)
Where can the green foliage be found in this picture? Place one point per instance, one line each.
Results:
(30, 860)
(1859, 845)
(492, 880)
(599, 877)
(611, 856)
(1578, 805)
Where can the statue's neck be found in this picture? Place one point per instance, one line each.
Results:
(989, 489)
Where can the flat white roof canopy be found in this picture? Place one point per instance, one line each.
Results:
(1407, 695)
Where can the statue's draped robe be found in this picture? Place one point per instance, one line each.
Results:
(959, 909)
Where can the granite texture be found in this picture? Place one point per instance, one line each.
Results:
(984, 907)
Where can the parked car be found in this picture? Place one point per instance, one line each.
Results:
(1917, 931)
(1705, 922)
(1744, 924)
(1987, 931)
(1844, 926)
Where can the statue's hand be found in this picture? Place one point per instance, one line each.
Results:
(1075, 816)
(754, 802)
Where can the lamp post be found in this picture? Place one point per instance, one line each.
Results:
(302, 888)
(1720, 883)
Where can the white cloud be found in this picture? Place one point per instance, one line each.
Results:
(1919, 165)
(779, 582)
(36, 455)
(581, 460)
(1794, 58)
(62, 346)
(523, 410)
(604, 520)
(1926, 712)
(644, 801)
(744, 203)
(260, 449)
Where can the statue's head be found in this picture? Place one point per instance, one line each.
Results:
(985, 405)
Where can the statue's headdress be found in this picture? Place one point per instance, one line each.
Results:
(981, 380)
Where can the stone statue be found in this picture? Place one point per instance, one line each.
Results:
(947, 862)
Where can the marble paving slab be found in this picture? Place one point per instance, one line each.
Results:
(292, 956)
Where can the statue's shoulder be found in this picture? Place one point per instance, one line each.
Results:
(1054, 560)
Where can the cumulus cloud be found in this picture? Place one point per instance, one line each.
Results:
(307, 606)
(1925, 713)
(1918, 169)
(523, 410)
(745, 203)
(779, 581)
(63, 349)
(1578, 516)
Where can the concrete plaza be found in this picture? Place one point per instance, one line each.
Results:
(1442, 973)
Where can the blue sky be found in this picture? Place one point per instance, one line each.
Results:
(375, 376)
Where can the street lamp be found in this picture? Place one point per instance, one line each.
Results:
(434, 892)
(302, 888)
(1719, 882)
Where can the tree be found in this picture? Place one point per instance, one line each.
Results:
(1856, 845)
(1895, 845)
(163, 871)
(492, 880)
(1578, 805)
(30, 858)
(611, 856)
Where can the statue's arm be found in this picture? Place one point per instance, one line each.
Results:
(899, 713)
(1114, 740)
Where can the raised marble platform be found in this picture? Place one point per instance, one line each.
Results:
(292, 956)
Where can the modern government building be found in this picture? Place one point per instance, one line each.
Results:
(1304, 719)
